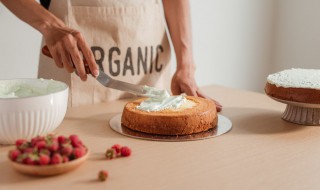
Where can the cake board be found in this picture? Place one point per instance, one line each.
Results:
(224, 125)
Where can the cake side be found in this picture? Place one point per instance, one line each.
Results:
(304, 95)
(201, 117)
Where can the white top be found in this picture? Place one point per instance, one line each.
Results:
(296, 78)
(160, 100)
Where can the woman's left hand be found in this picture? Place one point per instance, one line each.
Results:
(183, 81)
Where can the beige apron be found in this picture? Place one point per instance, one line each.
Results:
(128, 40)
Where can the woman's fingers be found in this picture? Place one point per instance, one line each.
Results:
(71, 47)
(190, 91)
(66, 60)
(87, 54)
(218, 105)
(56, 57)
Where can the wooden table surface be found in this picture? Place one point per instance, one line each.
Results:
(262, 151)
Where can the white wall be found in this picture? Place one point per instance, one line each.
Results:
(19, 47)
(297, 42)
(232, 41)
(236, 43)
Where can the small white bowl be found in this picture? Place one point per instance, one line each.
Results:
(30, 107)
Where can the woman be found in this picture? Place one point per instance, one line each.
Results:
(125, 38)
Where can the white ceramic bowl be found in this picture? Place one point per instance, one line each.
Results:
(30, 107)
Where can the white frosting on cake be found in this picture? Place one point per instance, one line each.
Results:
(160, 100)
(296, 78)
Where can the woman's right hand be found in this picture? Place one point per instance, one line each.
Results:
(69, 50)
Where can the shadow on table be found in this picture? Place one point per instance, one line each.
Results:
(7, 173)
(259, 121)
(95, 125)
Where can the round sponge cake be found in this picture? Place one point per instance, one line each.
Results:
(199, 117)
(297, 85)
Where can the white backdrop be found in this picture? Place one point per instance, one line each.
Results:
(236, 43)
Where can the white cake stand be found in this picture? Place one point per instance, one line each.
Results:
(300, 113)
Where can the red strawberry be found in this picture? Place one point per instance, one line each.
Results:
(30, 159)
(56, 159)
(75, 141)
(24, 145)
(117, 148)
(125, 151)
(79, 152)
(53, 146)
(13, 154)
(61, 139)
(36, 139)
(30, 150)
(103, 175)
(65, 159)
(44, 159)
(40, 144)
(45, 151)
(66, 150)
(19, 142)
(111, 153)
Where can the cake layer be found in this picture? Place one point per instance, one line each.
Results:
(304, 95)
(201, 116)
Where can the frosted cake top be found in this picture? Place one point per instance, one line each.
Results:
(296, 78)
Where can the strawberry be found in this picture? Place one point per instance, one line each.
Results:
(31, 159)
(53, 146)
(78, 152)
(19, 142)
(103, 175)
(40, 144)
(56, 159)
(66, 150)
(117, 148)
(125, 151)
(75, 141)
(61, 139)
(25, 145)
(36, 139)
(111, 153)
(13, 154)
(44, 159)
(65, 159)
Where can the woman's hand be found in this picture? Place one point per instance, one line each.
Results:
(183, 81)
(69, 50)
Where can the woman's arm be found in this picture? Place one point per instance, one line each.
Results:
(67, 46)
(177, 13)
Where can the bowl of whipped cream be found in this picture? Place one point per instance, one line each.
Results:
(31, 107)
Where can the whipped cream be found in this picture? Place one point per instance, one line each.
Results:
(296, 78)
(160, 100)
(26, 88)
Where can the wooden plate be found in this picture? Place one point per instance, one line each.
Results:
(49, 170)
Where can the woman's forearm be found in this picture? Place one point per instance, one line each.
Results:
(177, 13)
(33, 13)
